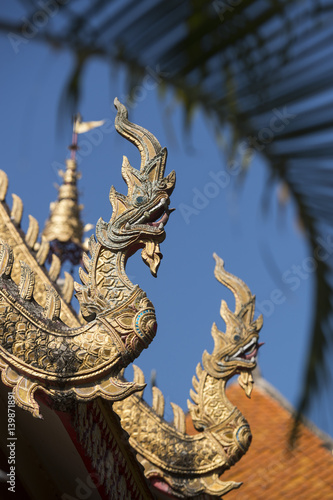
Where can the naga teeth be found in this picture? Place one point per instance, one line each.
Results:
(146, 215)
(243, 349)
(253, 341)
(143, 217)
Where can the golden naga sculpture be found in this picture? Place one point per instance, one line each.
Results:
(191, 465)
(37, 350)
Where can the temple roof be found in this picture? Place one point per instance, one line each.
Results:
(270, 470)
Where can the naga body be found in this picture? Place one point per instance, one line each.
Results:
(38, 351)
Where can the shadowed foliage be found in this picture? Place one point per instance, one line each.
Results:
(262, 67)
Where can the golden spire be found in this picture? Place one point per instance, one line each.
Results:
(64, 228)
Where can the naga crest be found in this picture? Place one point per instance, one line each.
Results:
(138, 219)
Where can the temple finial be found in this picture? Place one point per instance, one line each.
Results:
(64, 228)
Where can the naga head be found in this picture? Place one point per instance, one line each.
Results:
(235, 351)
(138, 219)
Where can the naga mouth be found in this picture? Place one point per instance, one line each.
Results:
(162, 221)
(248, 352)
(157, 217)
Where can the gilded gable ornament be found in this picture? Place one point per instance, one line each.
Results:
(44, 349)
(38, 351)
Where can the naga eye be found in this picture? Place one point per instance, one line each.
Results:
(236, 338)
(140, 199)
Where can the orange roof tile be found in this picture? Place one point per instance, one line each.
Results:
(270, 470)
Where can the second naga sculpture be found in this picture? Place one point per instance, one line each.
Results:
(37, 350)
(186, 466)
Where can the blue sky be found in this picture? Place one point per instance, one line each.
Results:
(262, 244)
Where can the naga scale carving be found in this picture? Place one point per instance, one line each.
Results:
(191, 465)
(38, 351)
